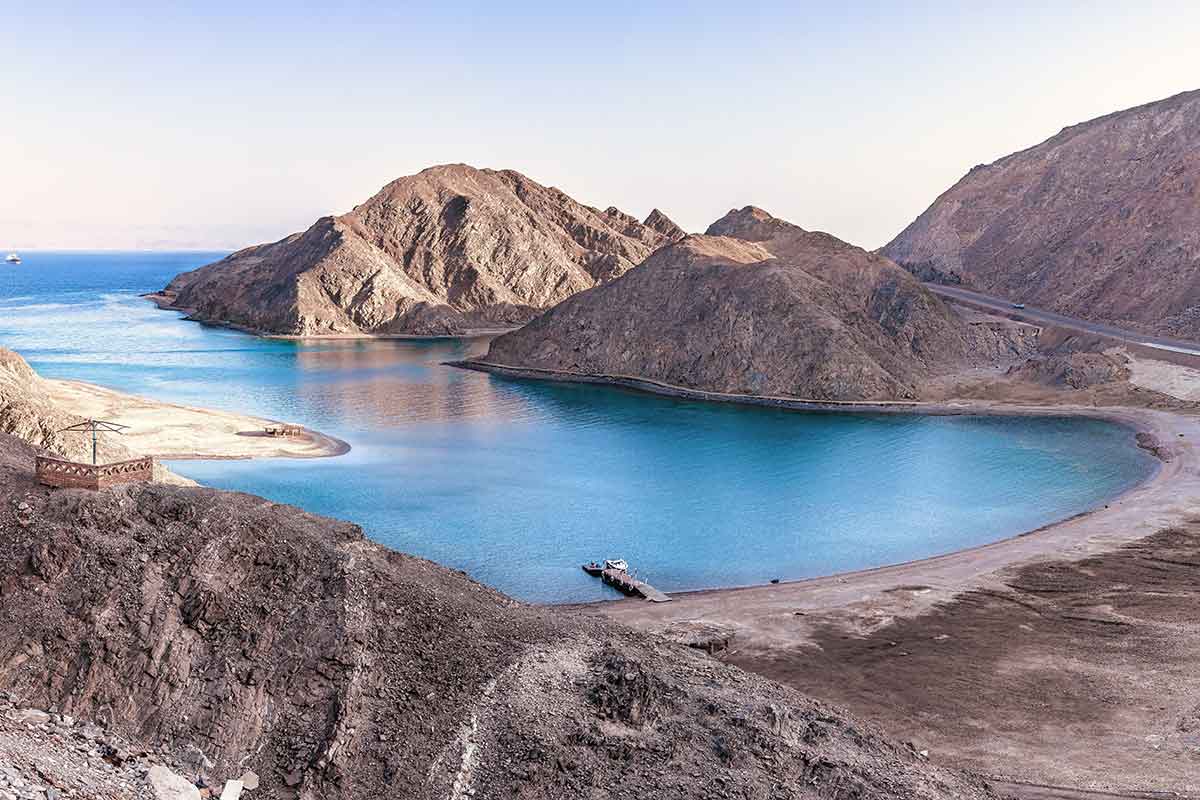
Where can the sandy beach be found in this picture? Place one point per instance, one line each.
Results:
(801, 633)
(175, 432)
(165, 303)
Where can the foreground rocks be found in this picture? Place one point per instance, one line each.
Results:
(227, 633)
(52, 756)
(448, 250)
(761, 306)
(1099, 222)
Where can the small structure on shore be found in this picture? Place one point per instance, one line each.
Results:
(65, 474)
(284, 430)
(615, 573)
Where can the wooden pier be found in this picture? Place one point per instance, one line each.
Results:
(625, 583)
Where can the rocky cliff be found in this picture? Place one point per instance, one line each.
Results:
(1101, 221)
(447, 250)
(240, 635)
(760, 306)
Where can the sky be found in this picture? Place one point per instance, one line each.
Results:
(221, 124)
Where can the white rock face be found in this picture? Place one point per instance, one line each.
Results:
(232, 790)
(167, 785)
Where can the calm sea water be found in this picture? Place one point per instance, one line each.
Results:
(518, 483)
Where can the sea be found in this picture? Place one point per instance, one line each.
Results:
(519, 482)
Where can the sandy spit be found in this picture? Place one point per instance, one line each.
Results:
(174, 432)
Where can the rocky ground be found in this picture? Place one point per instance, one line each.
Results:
(45, 755)
(1075, 672)
(229, 633)
(1098, 222)
(448, 250)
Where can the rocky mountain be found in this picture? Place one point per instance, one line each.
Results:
(1101, 221)
(760, 306)
(447, 250)
(231, 635)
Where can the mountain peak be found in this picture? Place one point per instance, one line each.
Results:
(660, 222)
(752, 224)
(450, 249)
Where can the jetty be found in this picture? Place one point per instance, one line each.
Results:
(616, 574)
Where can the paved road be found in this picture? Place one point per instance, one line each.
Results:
(1042, 317)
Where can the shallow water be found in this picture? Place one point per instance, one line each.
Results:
(517, 483)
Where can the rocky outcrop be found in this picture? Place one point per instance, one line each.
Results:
(1101, 222)
(450, 249)
(27, 413)
(239, 635)
(1077, 370)
(759, 306)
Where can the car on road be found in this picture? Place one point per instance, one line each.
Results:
(1018, 305)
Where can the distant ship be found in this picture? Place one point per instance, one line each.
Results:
(13, 258)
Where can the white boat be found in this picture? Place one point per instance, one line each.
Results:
(13, 258)
(618, 564)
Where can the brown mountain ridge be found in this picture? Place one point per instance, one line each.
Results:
(1101, 221)
(450, 249)
(759, 306)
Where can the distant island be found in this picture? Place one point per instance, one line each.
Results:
(450, 250)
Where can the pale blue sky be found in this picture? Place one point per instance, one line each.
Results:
(219, 125)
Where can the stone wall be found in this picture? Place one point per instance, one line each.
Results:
(75, 475)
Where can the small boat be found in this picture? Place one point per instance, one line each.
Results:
(13, 258)
(595, 568)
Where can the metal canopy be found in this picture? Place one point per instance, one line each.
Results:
(95, 426)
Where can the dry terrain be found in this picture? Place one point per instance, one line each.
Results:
(37, 410)
(170, 431)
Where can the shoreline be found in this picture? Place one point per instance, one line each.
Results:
(164, 303)
(173, 432)
(1173, 460)
(652, 386)
(1163, 500)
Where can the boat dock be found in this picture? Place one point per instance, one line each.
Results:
(622, 581)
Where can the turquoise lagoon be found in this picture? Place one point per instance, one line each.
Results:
(517, 483)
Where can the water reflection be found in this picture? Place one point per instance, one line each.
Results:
(392, 383)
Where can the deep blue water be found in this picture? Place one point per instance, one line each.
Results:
(518, 483)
